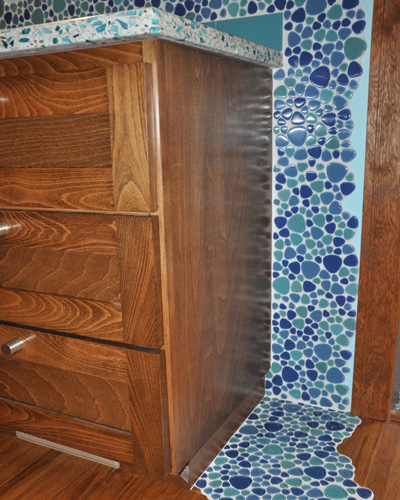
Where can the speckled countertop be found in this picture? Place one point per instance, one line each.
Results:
(135, 24)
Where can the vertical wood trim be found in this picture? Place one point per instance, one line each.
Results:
(140, 280)
(150, 56)
(146, 373)
(127, 109)
(378, 309)
(151, 133)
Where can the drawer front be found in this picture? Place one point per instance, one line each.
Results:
(86, 274)
(74, 255)
(77, 378)
(54, 379)
(78, 139)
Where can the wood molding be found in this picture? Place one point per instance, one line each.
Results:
(379, 293)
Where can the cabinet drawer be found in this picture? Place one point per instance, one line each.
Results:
(74, 255)
(77, 378)
(86, 274)
(55, 379)
(78, 139)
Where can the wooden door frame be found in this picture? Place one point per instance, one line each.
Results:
(379, 291)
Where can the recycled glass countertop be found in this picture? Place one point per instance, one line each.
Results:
(131, 25)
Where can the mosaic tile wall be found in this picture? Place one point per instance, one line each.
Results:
(316, 267)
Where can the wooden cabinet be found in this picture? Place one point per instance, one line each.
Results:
(135, 200)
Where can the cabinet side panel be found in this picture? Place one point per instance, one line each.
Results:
(215, 135)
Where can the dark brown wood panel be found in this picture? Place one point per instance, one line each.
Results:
(66, 353)
(54, 94)
(96, 439)
(88, 397)
(132, 189)
(66, 254)
(57, 188)
(379, 291)
(76, 60)
(203, 458)
(140, 280)
(77, 316)
(56, 141)
(216, 170)
(149, 412)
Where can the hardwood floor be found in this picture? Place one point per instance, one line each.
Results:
(31, 471)
(375, 451)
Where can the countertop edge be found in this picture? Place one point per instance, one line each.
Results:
(129, 26)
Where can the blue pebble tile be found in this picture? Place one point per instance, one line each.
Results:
(315, 7)
(320, 77)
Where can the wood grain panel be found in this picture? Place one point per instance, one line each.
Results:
(123, 485)
(57, 188)
(146, 374)
(31, 471)
(65, 353)
(140, 281)
(374, 449)
(56, 141)
(77, 316)
(91, 398)
(61, 253)
(76, 60)
(96, 439)
(55, 476)
(216, 170)
(379, 289)
(362, 447)
(132, 189)
(54, 94)
(18, 458)
(386, 465)
(203, 458)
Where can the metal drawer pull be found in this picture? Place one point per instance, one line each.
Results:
(4, 228)
(12, 346)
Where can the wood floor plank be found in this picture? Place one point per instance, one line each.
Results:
(123, 485)
(64, 477)
(361, 447)
(384, 478)
(374, 449)
(30, 471)
(15, 459)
